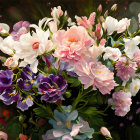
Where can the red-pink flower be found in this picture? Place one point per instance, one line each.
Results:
(71, 44)
(122, 101)
(126, 68)
(87, 23)
(94, 73)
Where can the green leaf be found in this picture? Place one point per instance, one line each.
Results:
(14, 129)
(42, 112)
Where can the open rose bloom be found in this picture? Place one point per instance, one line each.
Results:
(62, 77)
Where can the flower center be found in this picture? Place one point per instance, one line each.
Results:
(72, 40)
(136, 87)
(35, 45)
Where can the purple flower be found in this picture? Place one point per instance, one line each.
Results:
(19, 29)
(52, 87)
(9, 96)
(5, 79)
(126, 68)
(27, 79)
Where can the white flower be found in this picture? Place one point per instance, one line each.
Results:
(131, 46)
(139, 19)
(123, 24)
(30, 47)
(112, 53)
(134, 86)
(110, 24)
(7, 45)
(4, 28)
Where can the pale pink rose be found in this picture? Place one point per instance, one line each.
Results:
(114, 7)
(87, 23)
(11, 62)
(137, 57)
(105, 132)
(126, 68)
(71, 44)
(123, 25)
(93, 73)
(3, 135)
(56, 12)
(75, 129)
(122, 101)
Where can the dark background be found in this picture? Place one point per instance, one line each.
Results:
(11, 11)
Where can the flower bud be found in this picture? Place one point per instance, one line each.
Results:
(105, 132)
(99, 8)
(106, 13)
(114, 7)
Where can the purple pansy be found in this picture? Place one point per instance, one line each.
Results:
(6, 78)
(19, 29)
(9, 96)
(26, 80)
(52, 87)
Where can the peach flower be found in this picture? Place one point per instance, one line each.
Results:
(71, 44)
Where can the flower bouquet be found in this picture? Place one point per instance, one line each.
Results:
(61, 77)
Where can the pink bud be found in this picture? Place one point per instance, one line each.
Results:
(105, 132)
(106, 13)
(114, 7)
(99, 8)
(11, 62)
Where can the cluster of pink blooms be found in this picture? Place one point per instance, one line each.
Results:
(126, 68)
(122, 101)
(94, 73)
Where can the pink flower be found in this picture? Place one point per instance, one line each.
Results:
(3, 135)
(71, 44)
(56, 12)
(75, 129)
(87, 23)
(98, 31)
(11, 62)
(105, 132)
(123, 24)
(126, 68)
(100, 8)
(137, 57)
(93, 73)
(122, 101)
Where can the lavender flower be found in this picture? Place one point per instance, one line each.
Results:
(19, 29)
(52, 87)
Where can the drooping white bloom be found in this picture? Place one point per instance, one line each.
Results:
(131, 46)
(110, 24)
(112, 53)
(134, 86)
(30, 47)
(7, 45)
